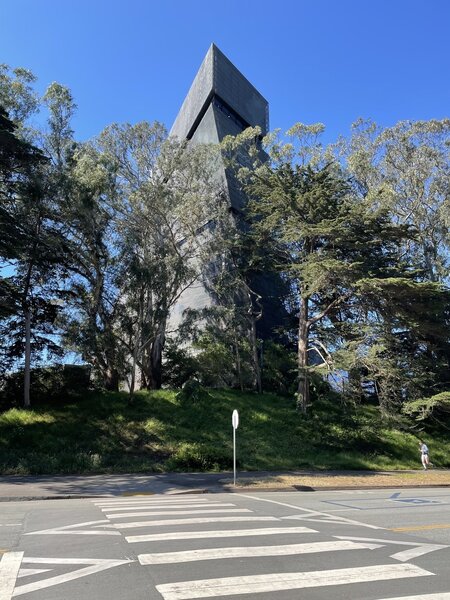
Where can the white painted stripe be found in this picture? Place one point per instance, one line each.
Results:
(438, 596)
(416, 550)
(96, 565)
(28, 572)
(72, 561)
(72, 529)
(158, 506)
(72, 532)
(226, 533)
(178, 512)
(274, 582)
(161, 558)
(9, 569)
(152, 501)
(406, 555)
(309, 514)
(191, 521)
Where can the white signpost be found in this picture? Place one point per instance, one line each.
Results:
(235, 423)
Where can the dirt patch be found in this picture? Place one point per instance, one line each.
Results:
(330, 480)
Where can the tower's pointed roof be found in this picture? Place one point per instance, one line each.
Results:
(217, 76)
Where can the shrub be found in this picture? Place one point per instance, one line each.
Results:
(200, 457)
(47, 384)
(191, 392)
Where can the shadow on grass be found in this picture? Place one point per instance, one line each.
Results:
(103, 433)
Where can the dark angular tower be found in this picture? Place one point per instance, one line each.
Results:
(221, 102)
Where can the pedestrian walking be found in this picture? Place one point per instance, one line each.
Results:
(423, 448)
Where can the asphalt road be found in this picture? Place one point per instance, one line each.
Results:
(365, 545)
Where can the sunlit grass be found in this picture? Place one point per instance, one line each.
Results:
(104, 433)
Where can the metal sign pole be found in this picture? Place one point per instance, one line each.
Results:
(235, 423)
(234, 456)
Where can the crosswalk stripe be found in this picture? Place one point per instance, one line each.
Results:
(195, 535)
(9, 569)
(147, 507)
(178, 512)
(196, 520)
(153, 501)
(272, 582)
(161, 558)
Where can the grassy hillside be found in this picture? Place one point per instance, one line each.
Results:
(102, 433)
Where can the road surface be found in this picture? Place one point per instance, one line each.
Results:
(362, 545)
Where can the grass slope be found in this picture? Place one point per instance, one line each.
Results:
(104, 434)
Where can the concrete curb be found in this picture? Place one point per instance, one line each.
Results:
(219, 490)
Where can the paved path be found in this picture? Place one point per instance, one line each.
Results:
(76, 486)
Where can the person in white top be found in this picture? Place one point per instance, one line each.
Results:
(424, 451)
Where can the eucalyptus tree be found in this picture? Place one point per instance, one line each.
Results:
(407, 168)
(18, 96)
(166, 200)
(93, 290)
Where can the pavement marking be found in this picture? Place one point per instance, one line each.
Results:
(411, 500)
(71, 529)
(309, 514)
(415, 550)
(147, 506)
(422, 527)
(9, 569)
(162, 558)
(178, 512)
(151, 501)
(274, 582)
(226, 533)
(9, 524)
(28, 572)
(189, 521)
(95, 565)
(149, 493)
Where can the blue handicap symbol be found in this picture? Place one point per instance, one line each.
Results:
(395, 498)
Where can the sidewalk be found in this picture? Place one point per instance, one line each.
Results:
(78, 486)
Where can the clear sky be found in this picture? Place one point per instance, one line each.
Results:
(314, 60)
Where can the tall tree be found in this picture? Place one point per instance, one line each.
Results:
(326, 239)
(37, 245)
(407, 167)
(166, 200)
(30, 249)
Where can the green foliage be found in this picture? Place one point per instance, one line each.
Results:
(279, 368)
(424, 408)
(191, 392)
(103, 433)
(200, 457)
(60, 383)
(180, 365)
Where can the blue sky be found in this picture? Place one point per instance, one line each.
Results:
(317, 60)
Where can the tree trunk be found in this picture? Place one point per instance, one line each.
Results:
(112, 380)
(256, 365)
(137, 339)
(155, 371)
(27, 373)
(303, 381)
(238, 365)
